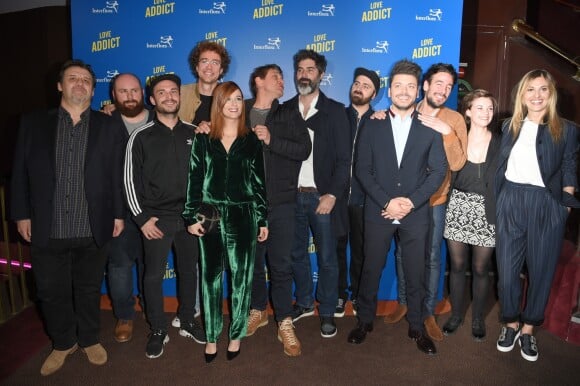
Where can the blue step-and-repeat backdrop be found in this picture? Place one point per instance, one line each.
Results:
(151, 37)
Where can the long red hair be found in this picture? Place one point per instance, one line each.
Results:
(220, 95)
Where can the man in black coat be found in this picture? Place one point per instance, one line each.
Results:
(67, 201)
(322, 186)
(286, 144)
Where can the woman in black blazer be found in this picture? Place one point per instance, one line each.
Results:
(535, 182)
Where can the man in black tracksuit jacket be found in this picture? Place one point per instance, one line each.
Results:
(156, 173)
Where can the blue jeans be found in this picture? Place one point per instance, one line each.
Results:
(325, 241)
(126, 251)
(434, 264)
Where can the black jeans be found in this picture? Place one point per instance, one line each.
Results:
(68, 275)
(356, 237)
(278, 248)
(186, 248)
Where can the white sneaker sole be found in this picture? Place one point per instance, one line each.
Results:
(508, 348)
(161, 352)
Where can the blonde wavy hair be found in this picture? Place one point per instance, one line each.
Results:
(550, 118)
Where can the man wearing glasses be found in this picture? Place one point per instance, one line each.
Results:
(209, 62)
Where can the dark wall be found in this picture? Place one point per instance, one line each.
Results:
(37, 42)
(497, 56)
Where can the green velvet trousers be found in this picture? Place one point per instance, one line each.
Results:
(233, 246)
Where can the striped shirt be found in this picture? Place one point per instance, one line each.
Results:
(70, 218)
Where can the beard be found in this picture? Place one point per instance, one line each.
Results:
(358, 99)
(128, 110)
(161, 108)
(431, 102)
(306, 86)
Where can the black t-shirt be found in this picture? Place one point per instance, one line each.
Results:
(203, 113)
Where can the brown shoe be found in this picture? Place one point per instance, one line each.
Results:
(256, 320)
(123, 330)
(433, 329)
(55, 360)
(96, 354)
(396, 316)
(287, 336)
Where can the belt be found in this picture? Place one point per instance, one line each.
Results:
(307, 189)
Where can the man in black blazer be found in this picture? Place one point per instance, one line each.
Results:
(67, 201)
(322, 187)
(400, 163)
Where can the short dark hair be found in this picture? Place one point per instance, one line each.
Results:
(76, 63)
(261, 72)
(207, 45)
(406, 67)
(437, 68)
(467, 103)
(319, 59)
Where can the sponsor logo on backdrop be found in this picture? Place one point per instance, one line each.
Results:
(381, 47)
(428, 48)
(321, 43)
(156, 71)
(109, 75)
(268, 8)
(435, 14)
(106, 41)
(218, 8)
(109, 8)
(326, 79)
(376, 12)
(160, 8)
(272, 44)
(325, 10)
(215, 37)
(165, 41)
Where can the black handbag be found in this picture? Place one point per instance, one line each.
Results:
(209, 217)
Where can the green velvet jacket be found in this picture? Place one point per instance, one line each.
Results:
(222, 178)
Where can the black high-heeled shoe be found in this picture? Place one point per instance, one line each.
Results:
(230, 355)
(210, 357)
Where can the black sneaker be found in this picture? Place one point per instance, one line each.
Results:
(327, 327)
(529, 347)
(193, 330)
(300, 312)
(339, 311)
(507, 338)
(157, 339)
(478, 330)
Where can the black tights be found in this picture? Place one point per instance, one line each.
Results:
(480, 263)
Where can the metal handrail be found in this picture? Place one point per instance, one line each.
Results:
(519, 25)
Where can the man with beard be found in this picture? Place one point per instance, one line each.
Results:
(67, 201)
(437, 85)
(126, 250)
(399, 163)
(322, 184)
(365, 86)
(155, 187)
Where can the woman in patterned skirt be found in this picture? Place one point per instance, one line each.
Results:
(470, 216)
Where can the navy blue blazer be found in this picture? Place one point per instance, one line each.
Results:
(557, 160)
(33, 175)
(423, 168)
(331, 147)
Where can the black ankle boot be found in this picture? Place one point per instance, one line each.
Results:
(452, 325)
